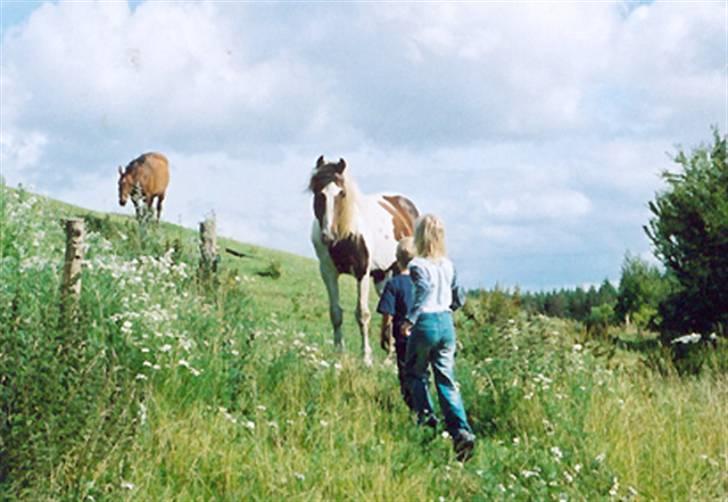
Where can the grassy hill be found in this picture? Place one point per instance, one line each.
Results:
(171, 388)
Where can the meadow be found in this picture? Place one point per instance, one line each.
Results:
(170, 387)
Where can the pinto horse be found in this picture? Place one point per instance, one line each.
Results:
(149, 172)
(355, 234)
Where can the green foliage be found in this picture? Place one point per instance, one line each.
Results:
(599, 320)
(689, 230)
(165, 389)
(490, 307)
(573, 304)
(274, 270)
(641, 290)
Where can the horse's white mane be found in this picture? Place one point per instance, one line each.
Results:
(347, 210)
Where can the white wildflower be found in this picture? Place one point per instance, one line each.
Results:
(227, 415)
(260, 407)
(323, 423)
(600, 458)
(685, 339)
(249, 424)
(445, 435)
(165, 348)
(142, 413)
(299, 476)
(126, 485)
(140, 376)
(126, 327)
(614, 490)
(556, 452)
(528, 474)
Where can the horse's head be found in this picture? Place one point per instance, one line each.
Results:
(329, 187)
(126, 183)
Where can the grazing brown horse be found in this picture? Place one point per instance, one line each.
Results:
(149, 172)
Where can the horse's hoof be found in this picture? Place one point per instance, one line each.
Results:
(368, 361)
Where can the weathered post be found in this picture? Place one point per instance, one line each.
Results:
(71, 285)
(208, 248)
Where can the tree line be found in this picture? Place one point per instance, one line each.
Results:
(685, 290)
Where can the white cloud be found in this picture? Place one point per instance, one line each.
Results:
(531, 128)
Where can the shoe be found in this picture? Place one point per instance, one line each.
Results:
(429, 421)
(464, 443)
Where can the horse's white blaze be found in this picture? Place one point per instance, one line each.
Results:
(329, 192)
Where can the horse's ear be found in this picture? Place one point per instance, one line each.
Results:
(320, 162)
(341, 166)
(120, 171)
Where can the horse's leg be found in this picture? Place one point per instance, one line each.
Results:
(149, 201)
(330, 276)
(363, 316)
(160, 199)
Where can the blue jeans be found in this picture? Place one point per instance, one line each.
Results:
(432, 342)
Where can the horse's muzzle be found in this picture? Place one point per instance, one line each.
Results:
(122, 203)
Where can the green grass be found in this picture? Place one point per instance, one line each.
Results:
(169, 388)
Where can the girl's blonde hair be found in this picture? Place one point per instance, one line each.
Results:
(430, 237)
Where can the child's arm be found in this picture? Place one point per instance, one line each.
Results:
(385, 334)
(422, 291)
(458, 292)
(386, 307)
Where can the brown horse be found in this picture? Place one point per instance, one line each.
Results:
(149, 172)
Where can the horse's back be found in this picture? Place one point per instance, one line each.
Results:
(389, 218)
(399, 213)
(156, 178)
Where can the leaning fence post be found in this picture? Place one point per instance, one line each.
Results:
(71, 285)
(208, 247)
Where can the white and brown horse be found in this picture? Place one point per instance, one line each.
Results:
(355, 234)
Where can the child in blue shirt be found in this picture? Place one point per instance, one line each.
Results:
(395, 302)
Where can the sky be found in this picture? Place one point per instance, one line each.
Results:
(537, 131)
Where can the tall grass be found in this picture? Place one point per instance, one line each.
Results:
(168, 388)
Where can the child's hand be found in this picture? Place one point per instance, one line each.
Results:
(405, 329)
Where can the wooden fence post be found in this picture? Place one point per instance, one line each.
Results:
(71, 285)
(208, 247)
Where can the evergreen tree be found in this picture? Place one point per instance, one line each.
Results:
(689, 231)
